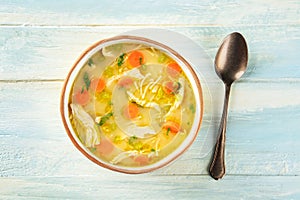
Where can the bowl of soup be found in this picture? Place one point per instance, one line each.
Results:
(131, 104)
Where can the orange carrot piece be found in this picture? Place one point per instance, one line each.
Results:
(98, 84)
(136, 59)
(82, 97)
(125, 82)
(105, 147)
(142, 159)
(131, 111)
(173, 69)
(170, 87)
(172, 126)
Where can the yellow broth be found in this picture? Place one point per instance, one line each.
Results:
(131, 105)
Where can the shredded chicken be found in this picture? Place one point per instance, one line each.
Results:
(123, 156)
(90, 137)
(179, 97)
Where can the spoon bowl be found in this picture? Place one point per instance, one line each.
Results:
(231, 59)
(230, 64)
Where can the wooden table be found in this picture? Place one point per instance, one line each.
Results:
(39, 42)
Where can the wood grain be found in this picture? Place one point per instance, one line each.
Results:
(148, 187)
(34, 142)
(149, 12)
(39, 42)
(48, 53)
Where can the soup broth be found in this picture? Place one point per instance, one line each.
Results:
(131, 105)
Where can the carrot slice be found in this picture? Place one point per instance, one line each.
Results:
(98, 84)
(172, 126)
(142, 159)
(105, 147)
(82, 97)
(131, 111)
(173, 69)
(170, 87)
(125, 82)
(136, 58)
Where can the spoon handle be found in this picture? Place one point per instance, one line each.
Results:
(217, 166)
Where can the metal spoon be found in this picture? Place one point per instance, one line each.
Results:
(230, 64)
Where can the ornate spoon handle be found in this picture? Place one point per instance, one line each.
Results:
(217, 166)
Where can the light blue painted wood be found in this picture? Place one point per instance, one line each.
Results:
(262, 138)
(106, 12)
(150, 187)
(273, 49)
(40, 40)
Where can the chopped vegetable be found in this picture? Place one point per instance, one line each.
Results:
(82, 89)
(174, 127)
(86, 80)
(138, 146)
(131, 111)
(121, 59)
(113, 126)
(132, 139)
(135, 143)
(105, 147)
(136, 58)
(162, 58)
(144, 67)
(142, 159)
(117, 139)
(105, 96)
(171, 87)
(192, 108)
(168, 131)
(103, 99)
(93, 149)
(173, 69)
(82, 97)
(108, 72)
(105, 118)
(125, 82)
(109, 127)
(98, 84)
(160, 93)
(90, 62)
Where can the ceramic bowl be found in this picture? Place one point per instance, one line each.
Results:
(84, 59)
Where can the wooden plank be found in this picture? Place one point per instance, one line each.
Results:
(150, 187)
(225, 12)
(48, 53)
(40, 40)
(262, 132)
